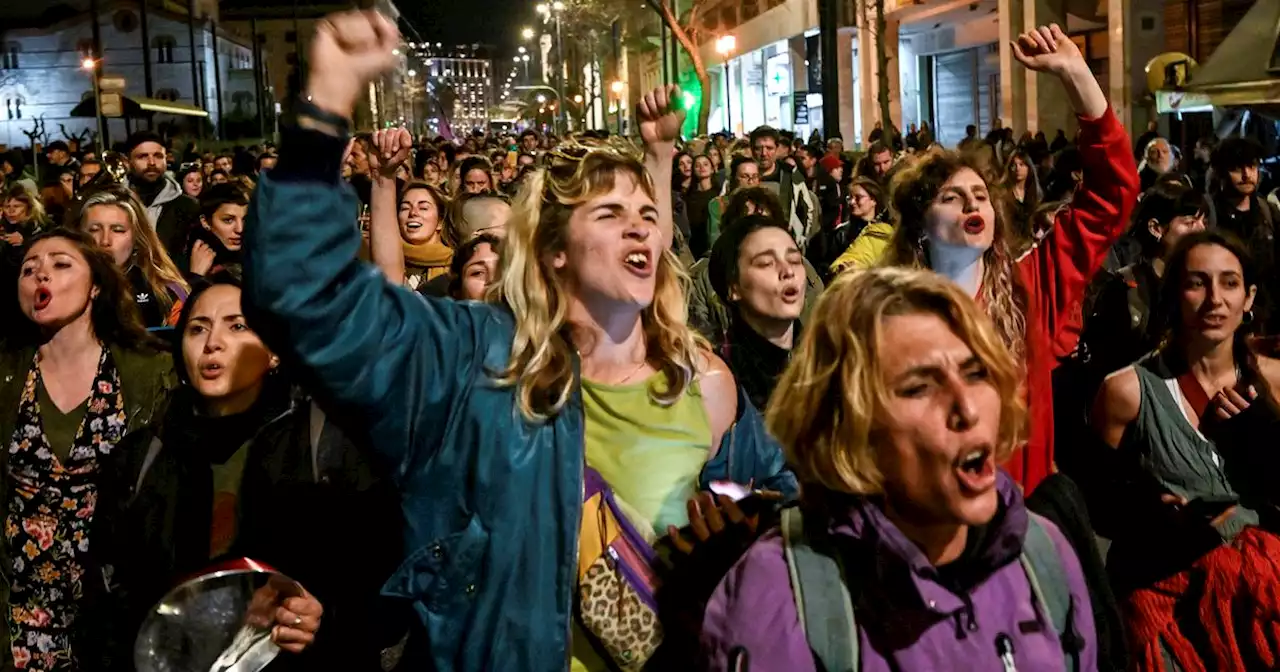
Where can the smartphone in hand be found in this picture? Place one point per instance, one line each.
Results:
(1209, 508)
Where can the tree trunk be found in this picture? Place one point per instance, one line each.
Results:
(882, 76)
(704, 104)
(699, 67)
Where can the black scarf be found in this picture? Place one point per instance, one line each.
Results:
(211, 440)
(755, 361)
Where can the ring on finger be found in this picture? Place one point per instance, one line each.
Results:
(297, 620)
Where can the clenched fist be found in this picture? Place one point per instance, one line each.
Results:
(660, 116)
(349, 50)
(391, 149)
(1047, 49)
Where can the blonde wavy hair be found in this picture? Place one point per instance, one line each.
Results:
(912, 192)
(542, 364)
(836, 388)
(149, 254)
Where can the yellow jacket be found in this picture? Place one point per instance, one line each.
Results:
(866, 250)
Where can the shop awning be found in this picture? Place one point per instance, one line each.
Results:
(1245, 68)
(137, 107)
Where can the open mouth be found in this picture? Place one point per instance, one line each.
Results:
(791, 294)
(412, 225)
(43, 297)
(974, 224)
(210, 370)
(639, 262)
(977, 470)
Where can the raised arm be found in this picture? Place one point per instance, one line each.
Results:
(660, 117)
(1059, 269)
(391, 149)
(377, 348)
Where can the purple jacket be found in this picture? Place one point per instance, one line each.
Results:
(907, 619)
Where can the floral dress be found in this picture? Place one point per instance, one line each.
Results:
(48, 519)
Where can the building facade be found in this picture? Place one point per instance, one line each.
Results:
(460, 86)
(42, 76)
(948, 62)
(283, 29)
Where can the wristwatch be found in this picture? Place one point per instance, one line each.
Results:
(309, 116)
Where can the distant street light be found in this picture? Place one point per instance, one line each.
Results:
(617, 87)
(578, 99)
(413, 73)
(725, 45)
(527, 33)
(92, 66)
(542, 98)
(554, 10)
(522, 50)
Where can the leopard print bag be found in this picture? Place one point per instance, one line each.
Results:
(616, 581)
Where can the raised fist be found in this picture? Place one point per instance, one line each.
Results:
(660, 116)
(350, 49)
(1047, 49)
(391, 149)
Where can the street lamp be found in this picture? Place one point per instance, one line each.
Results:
(725, 46)
(548, 12)
(541, 98)
(617, 88)
(527, 33)
(91, 66)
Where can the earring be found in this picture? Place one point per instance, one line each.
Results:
(1248, 317)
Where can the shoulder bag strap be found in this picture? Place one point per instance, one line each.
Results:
(822, 598)
(1048, 579)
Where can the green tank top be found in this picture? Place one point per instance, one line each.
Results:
(1175, 453)
(650, 454)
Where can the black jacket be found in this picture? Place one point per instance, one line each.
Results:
(317, 510)
(831, 198)
(179, 216)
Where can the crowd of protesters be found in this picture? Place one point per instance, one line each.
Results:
(599, 403)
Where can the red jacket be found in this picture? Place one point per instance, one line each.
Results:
(1057, 270)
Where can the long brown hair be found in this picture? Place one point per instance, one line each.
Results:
(114, 314)
(913, 192)
(149, 254)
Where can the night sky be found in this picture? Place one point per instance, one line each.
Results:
(492, 22)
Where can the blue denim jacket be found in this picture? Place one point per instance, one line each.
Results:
(492, 502)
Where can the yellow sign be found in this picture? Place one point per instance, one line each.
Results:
(1168, 102)
(112, 104)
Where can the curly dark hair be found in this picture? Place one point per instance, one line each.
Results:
(114, 314)
(913, 190)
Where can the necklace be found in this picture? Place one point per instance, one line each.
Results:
(631, 375)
